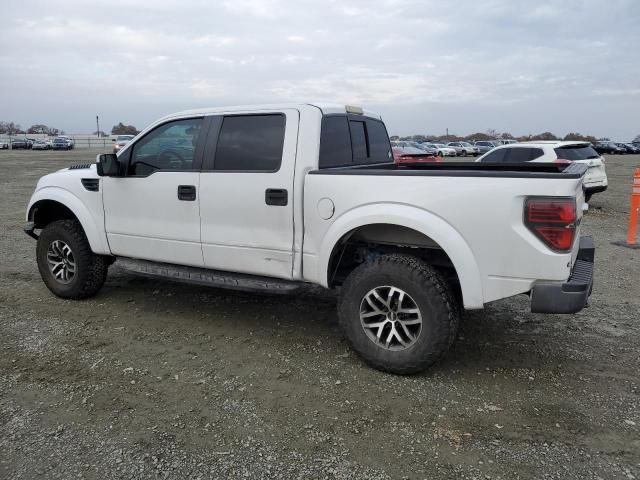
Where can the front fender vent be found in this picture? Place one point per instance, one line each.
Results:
(80, 166)
(91, 184)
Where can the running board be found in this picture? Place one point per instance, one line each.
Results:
(209, 278)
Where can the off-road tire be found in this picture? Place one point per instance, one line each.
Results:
(91, 269)
(431, 293)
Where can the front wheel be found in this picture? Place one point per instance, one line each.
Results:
(66, 263)
(398, 313)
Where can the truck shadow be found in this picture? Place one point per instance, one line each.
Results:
(504, 335)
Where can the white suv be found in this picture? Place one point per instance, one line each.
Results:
(555, 152)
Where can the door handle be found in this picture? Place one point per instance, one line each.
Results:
(187, 193)
(278, 197)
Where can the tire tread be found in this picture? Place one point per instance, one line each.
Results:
(433, 283)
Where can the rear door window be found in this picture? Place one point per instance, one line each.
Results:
(576, 152)
(250, 143)
(522, 154)
(496, 156)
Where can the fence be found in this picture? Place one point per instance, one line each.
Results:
(80, 141)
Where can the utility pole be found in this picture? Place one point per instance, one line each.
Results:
(97, 126)
(447, 132)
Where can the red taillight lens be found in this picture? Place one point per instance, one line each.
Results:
(561, 160)
(552, 220)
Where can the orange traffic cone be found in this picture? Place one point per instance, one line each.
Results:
(635, 210)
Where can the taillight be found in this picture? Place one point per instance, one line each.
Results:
(561, 160)
(552, 220)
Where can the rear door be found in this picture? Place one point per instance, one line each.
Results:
(246, 193)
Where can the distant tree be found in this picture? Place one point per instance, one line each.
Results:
(637, 139)
(100, 134)
(506, 136)
(492, 133)
(604, 139)
(54, 132)
(544, 136)
(579, 137)
(10, 128)
(394, 138)
(478, 136)
(122, 129)
(38, 128)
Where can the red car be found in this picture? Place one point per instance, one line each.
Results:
(412, 155)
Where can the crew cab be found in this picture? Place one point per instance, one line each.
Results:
(275, 197)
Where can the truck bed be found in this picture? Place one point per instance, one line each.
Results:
(463, 169)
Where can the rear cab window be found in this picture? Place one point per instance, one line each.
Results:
(347, 140)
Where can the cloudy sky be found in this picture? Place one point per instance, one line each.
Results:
(467, 65)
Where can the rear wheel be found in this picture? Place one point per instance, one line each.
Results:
(463, 153)
(398, 313)
(66, 263)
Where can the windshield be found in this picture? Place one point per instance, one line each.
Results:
(124, 137)
(576, 152)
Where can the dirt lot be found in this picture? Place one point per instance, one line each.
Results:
(157, 380)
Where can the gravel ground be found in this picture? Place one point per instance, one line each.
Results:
(158, 380)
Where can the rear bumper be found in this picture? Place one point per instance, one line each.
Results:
(572, 295)
(595, 189)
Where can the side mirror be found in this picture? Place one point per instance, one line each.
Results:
(108, 165)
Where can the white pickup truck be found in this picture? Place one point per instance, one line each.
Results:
(272, 197)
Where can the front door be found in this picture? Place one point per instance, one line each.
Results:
(152, 212)
(246, 193)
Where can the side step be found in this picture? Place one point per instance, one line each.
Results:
(204, 276)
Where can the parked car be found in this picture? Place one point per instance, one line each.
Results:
(427, 148)
(70, 142)
(464, 148)
(484, 146)
(608, 147)
(4, 145)
(61, 143)
(442, 150)
(121, 141)
(41, 145)
(505, 141)
(412, 155)
(555, 152)
(421, 146)
(20, 143)
(634, 148)
(408, 247)
(627, 148)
